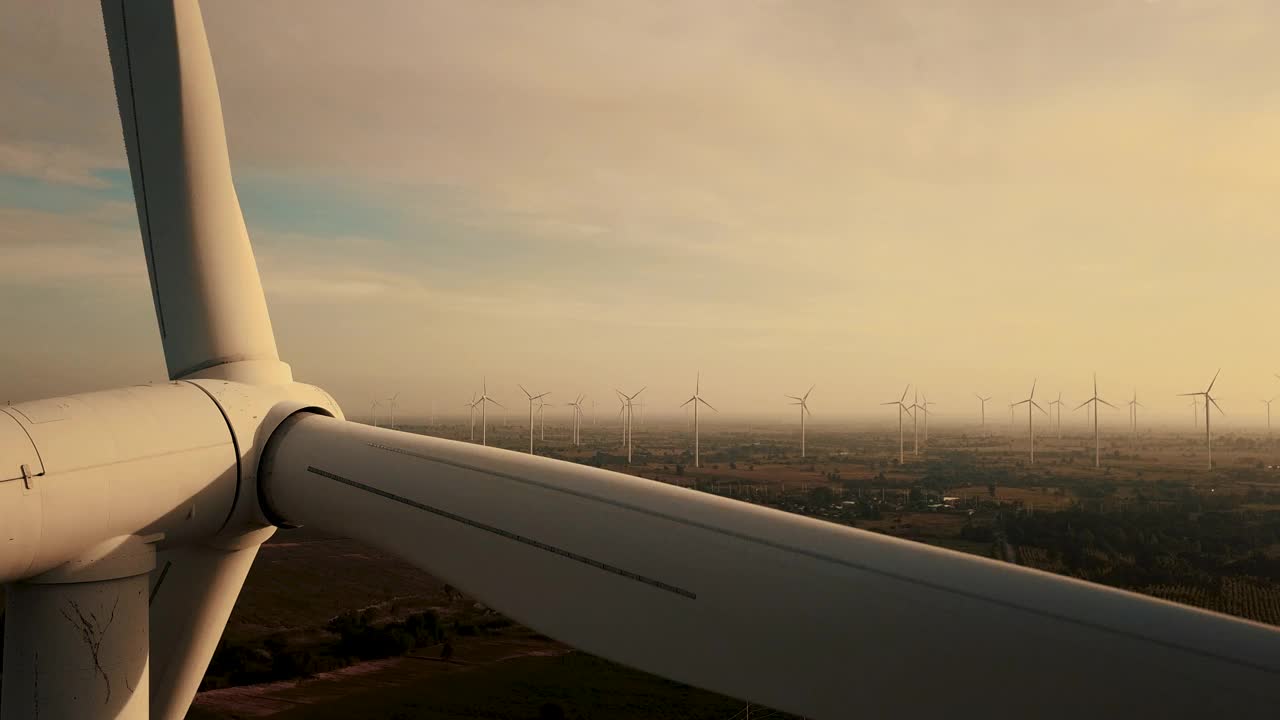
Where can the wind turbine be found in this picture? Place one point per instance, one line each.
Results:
(532, 398)
(1093, 402)
(695, 401)
(542, 420)
(803, 402)
(925, 407)
(902, 405)
(1195, 413)
(1059, 404)
(1208, 400)
(1133, 419)
(629, 407)
(132, 516)
(981, 400)
(577, 420)
(391, 403)
(483, 401)
(1268, 404)
(373, 413)
(915, 423)
(472, 406)
(1030, 402)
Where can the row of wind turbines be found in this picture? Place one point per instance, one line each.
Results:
(918, 410)
(1200, 398)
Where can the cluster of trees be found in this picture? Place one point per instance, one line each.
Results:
(350, 638)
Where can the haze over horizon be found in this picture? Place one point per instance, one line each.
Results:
(585, 196)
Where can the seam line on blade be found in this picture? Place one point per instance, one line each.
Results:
(142, 174)
(506, 534)
(164, 571)
(837, 561)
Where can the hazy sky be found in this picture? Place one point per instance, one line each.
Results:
(583, 195)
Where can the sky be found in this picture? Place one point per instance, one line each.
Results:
(581, 196)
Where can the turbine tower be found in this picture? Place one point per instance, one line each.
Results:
(132, 516)
(532, 398)
(803, 402)
(695, 401)
(1093, 402)
(1030, 402)
(483, 401)
(373, 413)
(1208, 400)
(982, 401)
(902, 406)
(1268, 404)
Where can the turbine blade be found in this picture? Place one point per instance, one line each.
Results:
(1214, 380)
(1215, 404)
(704, 402)
(686, 402)
(693, 572)
(208, 297)
(1104, 402)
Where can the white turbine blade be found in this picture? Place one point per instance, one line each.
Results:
(526, 392)
(1189, 394)
(1215, 404)
(1211, 382)
(704, 402)
(1037, 406)
(686, 402)
(793, 397)
(204, 280)
(1104, 402)
(1021, 402)
(757, 603)
(1086, 402)
(806, 395)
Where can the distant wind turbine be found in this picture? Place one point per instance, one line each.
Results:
(532, 398)
(902, 406)
(695, 400)
(542, 420)
(925, 407)
(373, 413)
(1030, 402)
(629, 406)
(391, 403)
(803, 402)
(915, 408)
(1208, 400)
(982, 400)
(1268, 404)
(483, 402)
(1133, 419)
(472, 406)
(577, 419)
(1059, 404)
(1093, 402)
